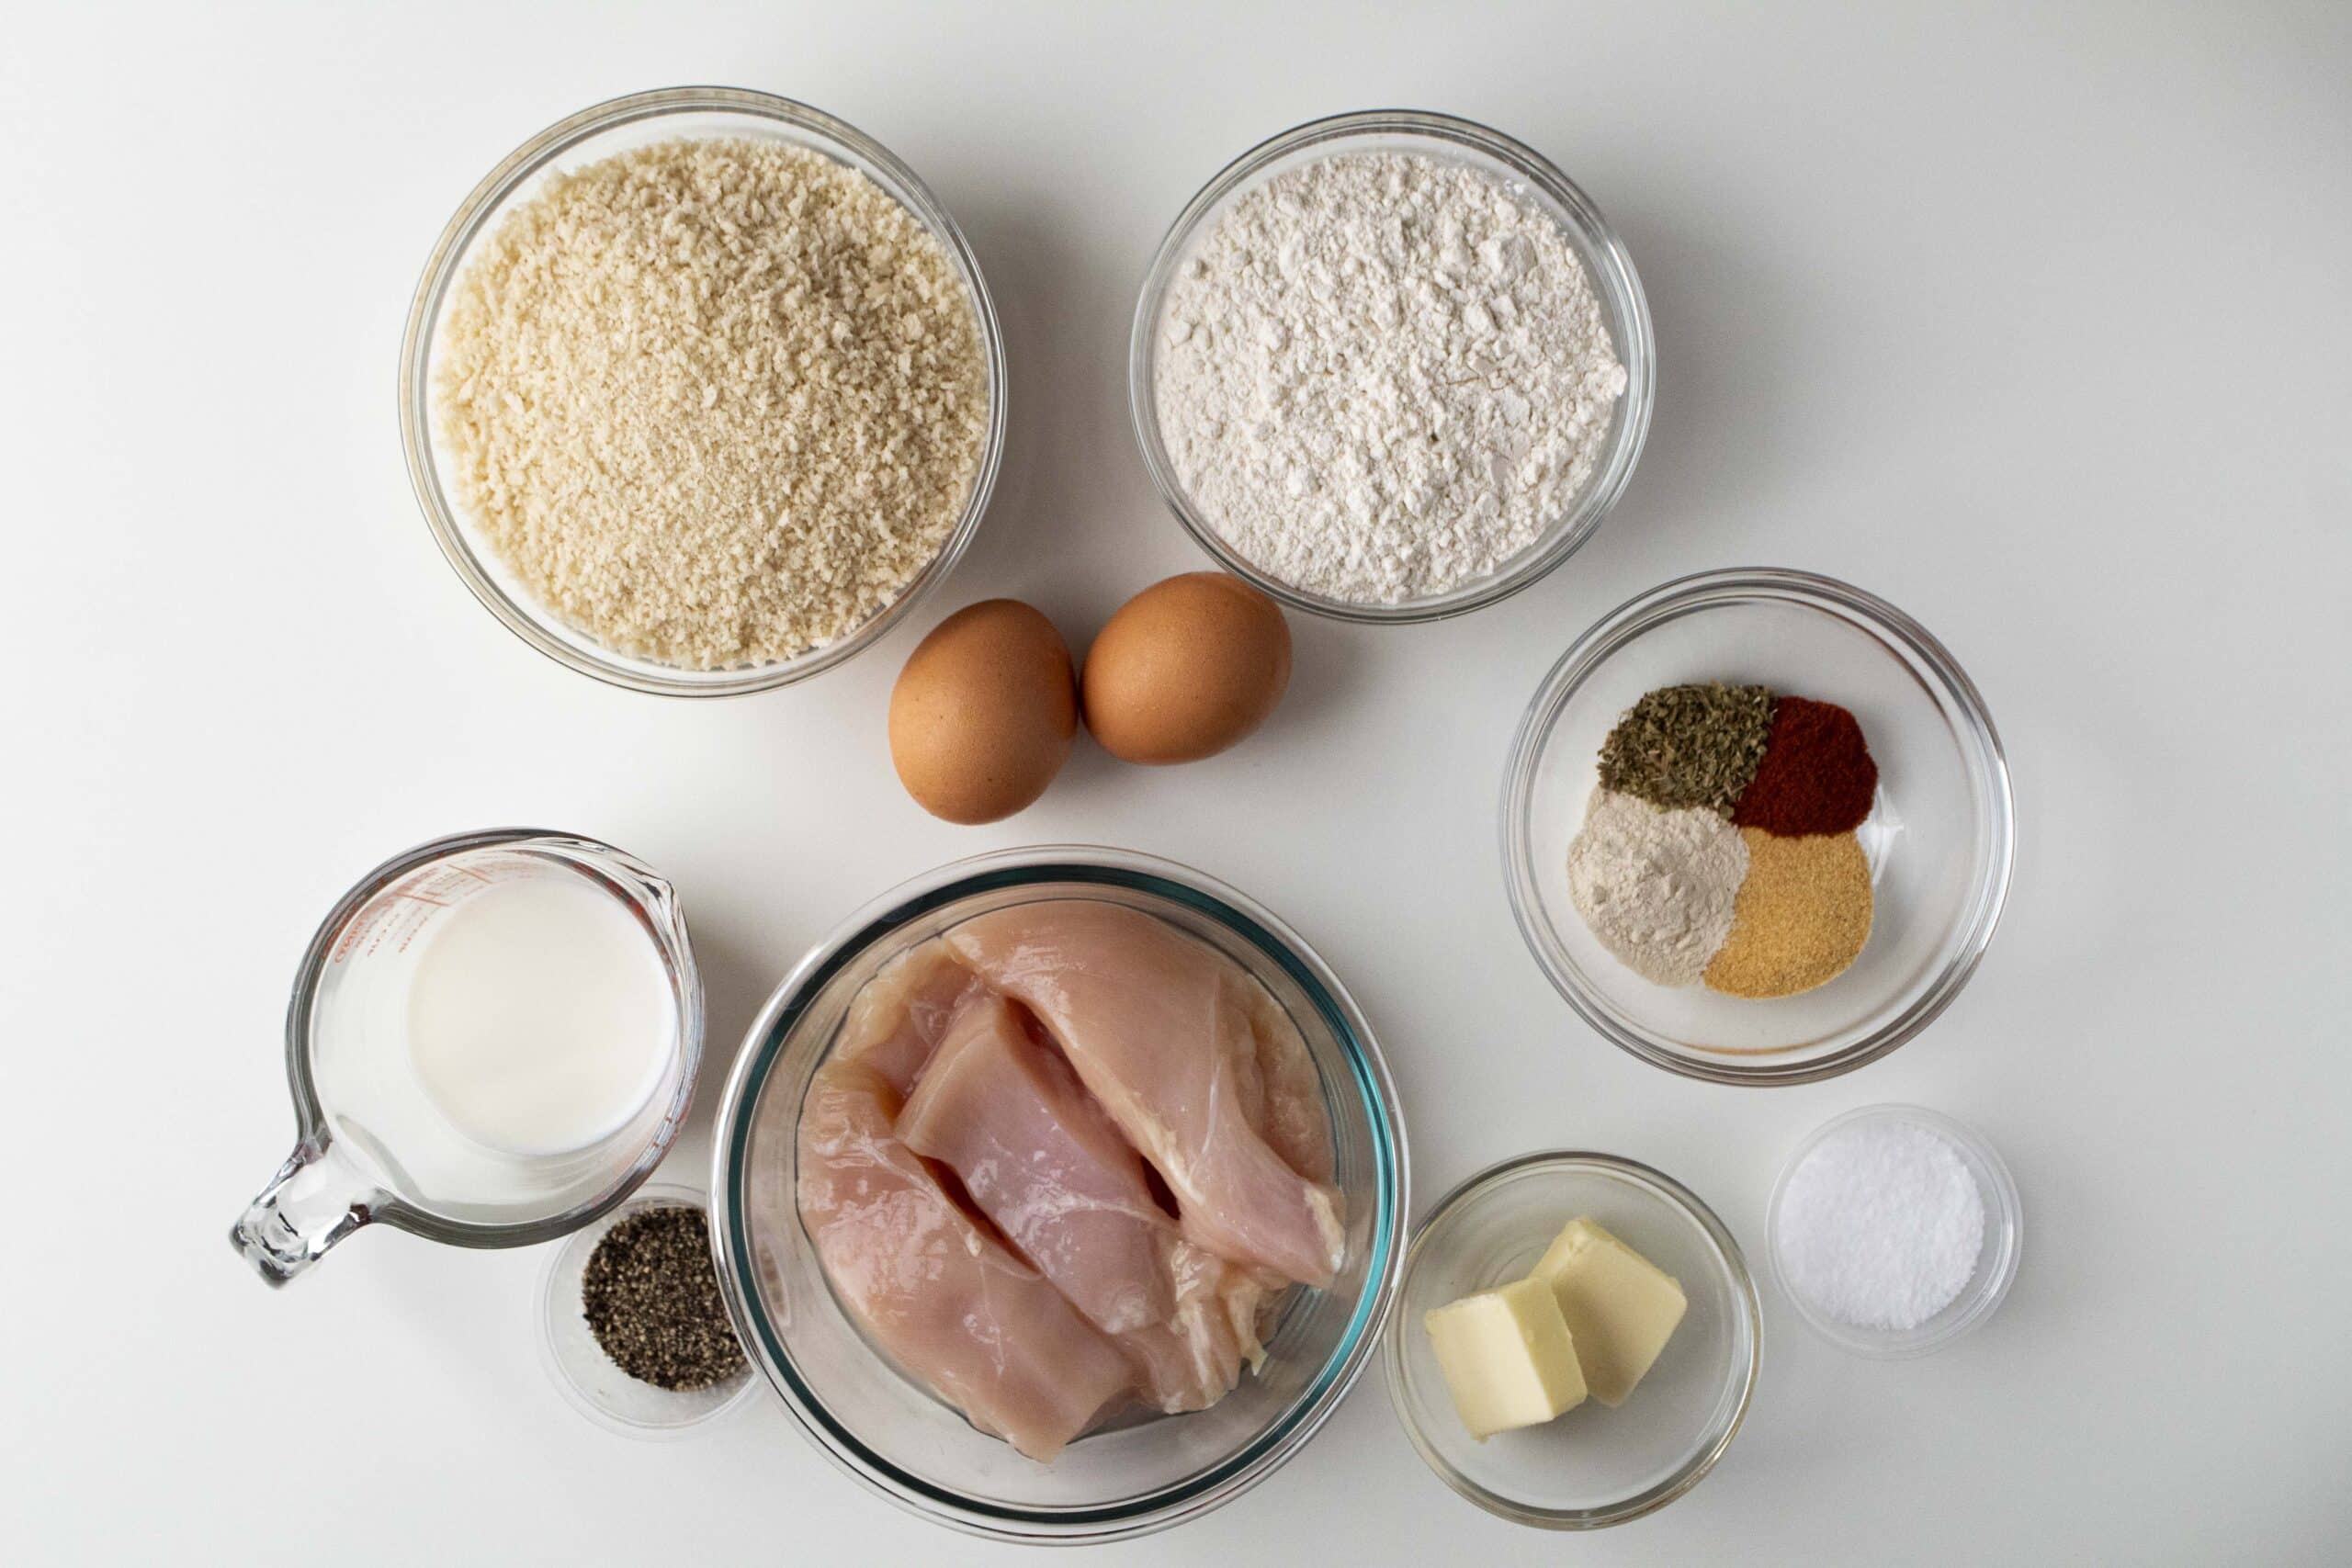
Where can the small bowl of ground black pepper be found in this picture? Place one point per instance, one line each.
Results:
(635, 1333)
(1756, 827)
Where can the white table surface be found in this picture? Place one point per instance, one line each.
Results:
(2036, 324)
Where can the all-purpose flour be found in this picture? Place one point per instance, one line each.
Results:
(1381, 376)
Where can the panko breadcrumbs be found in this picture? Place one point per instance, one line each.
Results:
(714, 402)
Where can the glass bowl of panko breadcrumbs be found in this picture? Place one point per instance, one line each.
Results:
(1930, 839)
(701, 391)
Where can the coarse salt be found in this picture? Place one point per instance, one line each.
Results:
(1880, 1225)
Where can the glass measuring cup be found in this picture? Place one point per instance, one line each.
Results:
(371, 1146)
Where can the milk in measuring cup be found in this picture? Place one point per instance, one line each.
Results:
(490, 1041)
(539, 1018)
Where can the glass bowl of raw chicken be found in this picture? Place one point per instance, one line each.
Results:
(1060, 1194)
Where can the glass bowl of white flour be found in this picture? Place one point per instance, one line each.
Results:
(1941, 836)
(1391, 367)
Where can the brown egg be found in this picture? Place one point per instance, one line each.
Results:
(1186, 669)
(984, 713)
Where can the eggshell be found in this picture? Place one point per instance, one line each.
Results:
(984, 712)
(1187, 667)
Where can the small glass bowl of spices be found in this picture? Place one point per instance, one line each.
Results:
(1894, 1231)
(1756, 827)
(1390, 366)
(633, 1331)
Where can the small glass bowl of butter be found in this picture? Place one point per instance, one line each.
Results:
(1594, 1465)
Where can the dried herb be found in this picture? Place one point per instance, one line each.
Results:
(1695, 746)
(651, 1297)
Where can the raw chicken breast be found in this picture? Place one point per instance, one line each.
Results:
(1196, 1358)
(987, 1332)
(898, 1017)
(1041, 1159)
(1293, 1119)
(1158, 1027)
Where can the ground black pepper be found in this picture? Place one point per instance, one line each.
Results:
(651, 1297)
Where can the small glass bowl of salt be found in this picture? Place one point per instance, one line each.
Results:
(1893, 1231)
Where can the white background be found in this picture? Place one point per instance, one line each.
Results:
(2034, 322)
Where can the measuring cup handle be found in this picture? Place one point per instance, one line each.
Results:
(312, 1204)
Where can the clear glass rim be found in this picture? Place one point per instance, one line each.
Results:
(2005, 1234)
(442, 269)
(309, 1112)
(763, 1048)
(1614, 280)
(1669, 601)
(1712, 1442)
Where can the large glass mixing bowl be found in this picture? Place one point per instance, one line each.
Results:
(1136, 1475)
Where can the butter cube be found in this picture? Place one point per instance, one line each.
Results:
(1507, 1356)
(1619, 1307)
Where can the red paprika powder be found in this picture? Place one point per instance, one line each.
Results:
(1816, 775)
